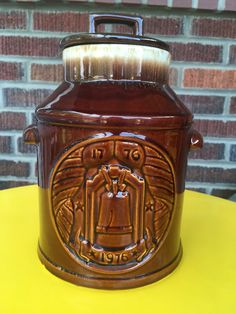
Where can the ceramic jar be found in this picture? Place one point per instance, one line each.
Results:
(112, 141)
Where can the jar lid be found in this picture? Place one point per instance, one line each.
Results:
(137, 38)
(94, 56)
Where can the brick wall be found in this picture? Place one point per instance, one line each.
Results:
(201, 35)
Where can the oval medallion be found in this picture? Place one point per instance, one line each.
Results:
(112, 201)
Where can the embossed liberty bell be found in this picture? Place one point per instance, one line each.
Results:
(112, 143)
(114, 214)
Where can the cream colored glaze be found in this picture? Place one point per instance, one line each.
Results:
(116, 62)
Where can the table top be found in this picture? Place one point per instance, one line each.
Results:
(204, 282)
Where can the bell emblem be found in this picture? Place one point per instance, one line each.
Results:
(114, 218)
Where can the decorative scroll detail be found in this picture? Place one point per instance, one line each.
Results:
(112, 201)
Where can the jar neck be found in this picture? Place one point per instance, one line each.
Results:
(116, 62)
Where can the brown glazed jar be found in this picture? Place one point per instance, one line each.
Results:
(112, 143)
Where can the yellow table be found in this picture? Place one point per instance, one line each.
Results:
(204, 282)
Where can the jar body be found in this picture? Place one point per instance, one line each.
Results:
(112, 160)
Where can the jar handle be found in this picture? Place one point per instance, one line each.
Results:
(196, 140)
(31, 135)
(135, 22)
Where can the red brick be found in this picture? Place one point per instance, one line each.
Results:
(12, 168)
(25, 148)
(208, 4)
(224, 193)
(11, 71)
(117, 29)
(61, 21)
(210, 151)
(230, 5)
(195, 52)
(12, 121)
(13, 184)
(216, 128)
(13, 20)
(214, 175)
(29, 46)
(203, 104)
(182, 3)
(5, 144)
(163, 26)
(173, 77)
(210, 27)
(233, 105)
(47, 72)
(17, 97)
(210, 78)
(232, 55)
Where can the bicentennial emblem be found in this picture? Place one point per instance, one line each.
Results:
(112, 201)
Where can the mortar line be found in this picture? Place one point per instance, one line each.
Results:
(204, 91)
(187, 25)
(13, 58)
(20, 109)
(1, 99)
(29, 18)
(226, 54)
(30, 85)
(10, 132)
(194, 4)
(219, 139)
(28, 117)
(211, 163)
(208, 140)
(226, 106)
(221, 5)
(208, 190)
(49, 61)
(32, 170)
(227, 151)
(27, 71)
(221, 185)
(18, 179)
(18, 158)
(15, 149)
(205, 66)
(180, 77)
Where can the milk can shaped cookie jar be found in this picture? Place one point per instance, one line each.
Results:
(112, 141)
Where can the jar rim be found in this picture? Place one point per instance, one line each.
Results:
(100, 38)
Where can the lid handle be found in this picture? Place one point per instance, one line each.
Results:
(135, 22)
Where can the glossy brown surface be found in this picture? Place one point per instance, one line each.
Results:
(112, 159)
